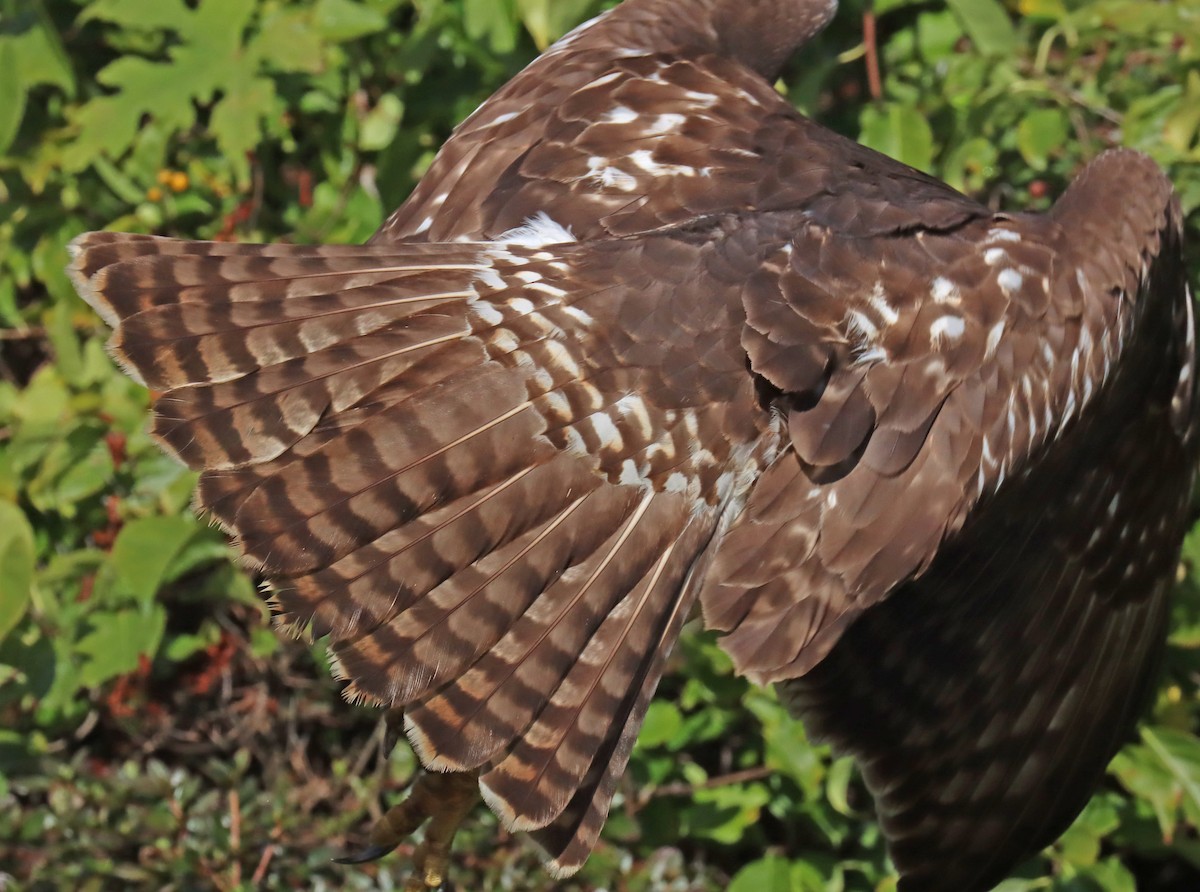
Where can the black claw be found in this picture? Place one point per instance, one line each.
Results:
(370, 853)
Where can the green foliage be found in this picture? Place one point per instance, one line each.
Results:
(153, 733)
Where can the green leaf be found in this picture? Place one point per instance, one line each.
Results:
(12, 86)
(1043, 9)
(235, 119)
(1180, 756)
(548, 20)
(379, 127)
(145, 549)
(883, 7)
(663, 722)
(1182, 127)
(39, 52)
(116, 641)
(346, 20)
(180, 647)
(988, 25)
(899, 131)
(770, 874)
(492, 20)
(288, 41)
(1040, 134)
(141, 15)
(106, 125)
(17, 563)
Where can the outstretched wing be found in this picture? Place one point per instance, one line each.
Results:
(617, 134)
(487, 471)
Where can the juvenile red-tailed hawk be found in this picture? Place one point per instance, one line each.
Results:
(645, 335)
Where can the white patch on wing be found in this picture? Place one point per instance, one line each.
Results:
(631, 475)
(993, 338)
(943, 291)
(487, 312)
(580, 316)
(875, 354)
(606, 431)
(621, 114)
(706, 99)
(664, 124)
(677, 482)
(861, 328)
(562, 358)
(878, 300)
(1010, 281)
(491, 279)
(536, 232)
(946, 328)
(607, 176)
(644, 159)
(1000, 234)
(633, 407)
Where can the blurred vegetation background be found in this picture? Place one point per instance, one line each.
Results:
(154, 733)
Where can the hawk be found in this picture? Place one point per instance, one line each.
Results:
(644, 336)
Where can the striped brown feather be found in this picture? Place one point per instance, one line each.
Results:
(476, 479)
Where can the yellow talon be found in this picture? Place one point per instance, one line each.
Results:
(444, 800)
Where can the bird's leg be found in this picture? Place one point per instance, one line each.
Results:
(442, 799)
(456, 794)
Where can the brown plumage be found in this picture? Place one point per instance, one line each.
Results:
(645, 335)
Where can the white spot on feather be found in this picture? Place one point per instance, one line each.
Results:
(705, 99)
(536, 232)
(677, 482)
(576, 445)
(558, 404)
(878, 300)
(999, 234)
(946, 328)
(943, 291)
(605, 175)
(633, 407)
(487, 313)
(544, 288)
(875, 354)
(993, 338)
(860, 325)
(580, 316)
(644, 159)
(491, 279)
(620, 115)
(1010, 281)
(561, 357)
(606, 431)
(632, 476)
(664, 124)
